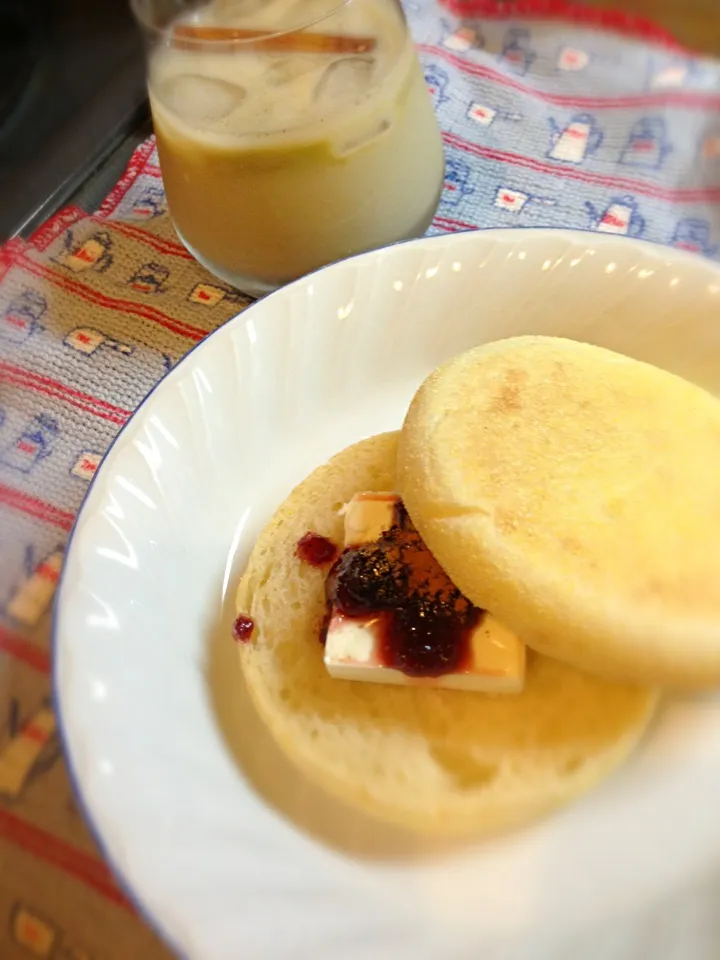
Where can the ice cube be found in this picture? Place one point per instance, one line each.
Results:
(199, 99)
(227, 12)
(370, 133)
(287, 69)
(345, 81)
(310, 11)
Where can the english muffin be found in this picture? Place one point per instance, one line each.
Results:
(431, 760)
(573, 492)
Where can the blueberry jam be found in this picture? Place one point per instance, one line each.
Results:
(243, 628)
(316, 550)
(424, 623)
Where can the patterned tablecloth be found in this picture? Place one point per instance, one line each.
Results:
(558, 117)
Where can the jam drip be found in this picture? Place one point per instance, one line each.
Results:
(243, 628)
(424, 623)
(316, 550)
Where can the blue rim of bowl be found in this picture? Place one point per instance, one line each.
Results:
(124, 885)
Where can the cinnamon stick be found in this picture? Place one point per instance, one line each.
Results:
(289, 42)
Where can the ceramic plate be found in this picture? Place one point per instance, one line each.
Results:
(224, 847)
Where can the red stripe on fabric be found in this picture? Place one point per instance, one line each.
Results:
(563, 171)
(56, 225)
(157, 243)
(152, 170)
(45, 846)
(618, 21)
(665, 98)
(35, 733)
(112, 303)
(23, 650)
(61, 386)
(16, 500)
(455, 224)
(9, 253)
(47, 572)
(5, 263)
(132, 172)
(59, 393)
(27, 384)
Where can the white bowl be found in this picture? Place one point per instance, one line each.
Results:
(227, 850)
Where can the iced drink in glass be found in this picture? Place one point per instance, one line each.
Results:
(291, 133)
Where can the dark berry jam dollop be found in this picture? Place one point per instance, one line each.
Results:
(243, 628)
(316, 550)
(424, 623)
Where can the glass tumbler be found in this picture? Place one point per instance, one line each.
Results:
(291, 133)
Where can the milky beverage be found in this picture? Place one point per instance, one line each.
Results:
(276, 162)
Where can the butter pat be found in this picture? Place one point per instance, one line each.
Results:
(497, 657)
(497, 666)
(368, 516)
